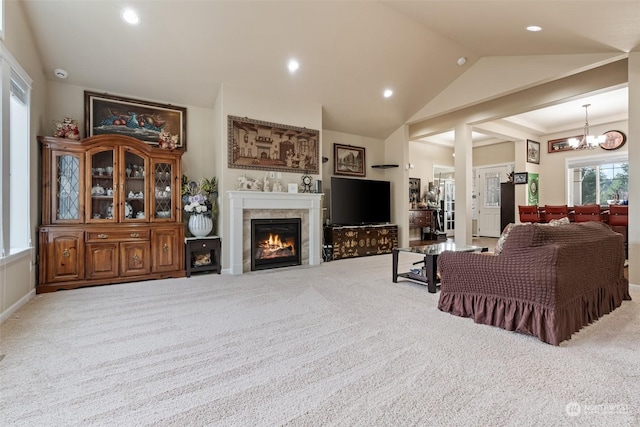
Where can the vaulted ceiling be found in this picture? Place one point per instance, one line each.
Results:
(349, 51)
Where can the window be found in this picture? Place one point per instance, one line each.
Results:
(15, 94)
(600, 180)
(2, 19)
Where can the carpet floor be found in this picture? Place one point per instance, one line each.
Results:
(338, 344)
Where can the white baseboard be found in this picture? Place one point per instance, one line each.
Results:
(22, 301)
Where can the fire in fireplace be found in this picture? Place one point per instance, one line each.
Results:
(275, 243)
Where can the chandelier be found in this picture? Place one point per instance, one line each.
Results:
(587, 141)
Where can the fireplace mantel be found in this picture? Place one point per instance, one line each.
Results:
(245, 200)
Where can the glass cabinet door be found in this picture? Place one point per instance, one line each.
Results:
(163, 189)
(103, 188)
(134, 192)
(68, 188)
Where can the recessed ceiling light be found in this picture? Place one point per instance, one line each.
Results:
(387, 93)
(293, 66)
(534, 28)
(60, 73)
(130, 16)
(462, 60)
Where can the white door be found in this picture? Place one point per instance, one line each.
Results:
(489, 201)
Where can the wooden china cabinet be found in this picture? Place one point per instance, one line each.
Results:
(111, 212)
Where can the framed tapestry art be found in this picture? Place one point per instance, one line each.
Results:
(151, 122)
(258, 145)
(348, 160)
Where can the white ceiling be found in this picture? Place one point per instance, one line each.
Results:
(349, 52)
(606, 107)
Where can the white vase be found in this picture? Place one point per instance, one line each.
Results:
(200, 225)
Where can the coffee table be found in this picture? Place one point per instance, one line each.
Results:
(428, 274)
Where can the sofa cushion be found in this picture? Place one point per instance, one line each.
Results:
(520, 236)
(503, 238)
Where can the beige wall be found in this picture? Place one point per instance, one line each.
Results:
(495, 154)
(17, 277)
(553, 185)
(374, 154)
(238, 101)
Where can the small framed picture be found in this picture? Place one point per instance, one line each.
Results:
(533, 152)
(348, 160)
(561, 144)
(292, 187)
(520, 177)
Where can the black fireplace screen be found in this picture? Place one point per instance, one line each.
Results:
(275, 243)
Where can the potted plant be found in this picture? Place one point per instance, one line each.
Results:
(200, 199)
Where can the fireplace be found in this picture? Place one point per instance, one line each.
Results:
(275, 243)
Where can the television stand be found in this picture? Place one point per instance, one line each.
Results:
(351, 241)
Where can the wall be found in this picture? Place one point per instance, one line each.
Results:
(374, 154)
(494, 154)
(68, 100)
(553, 185)
(424, 156)
(238, 101)
(17, 277)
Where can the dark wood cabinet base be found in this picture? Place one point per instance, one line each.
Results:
(357, 241)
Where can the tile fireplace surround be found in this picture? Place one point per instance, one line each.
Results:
(255, 204)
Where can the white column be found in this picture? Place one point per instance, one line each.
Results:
(315, 240)
(235, 233)
(634, 167)
(463, 175)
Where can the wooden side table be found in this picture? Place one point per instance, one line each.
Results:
(202, 254)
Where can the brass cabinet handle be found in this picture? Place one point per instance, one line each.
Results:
(102, 236)
(135, 257)
(135, 235)
(66, 253)
(165, 248)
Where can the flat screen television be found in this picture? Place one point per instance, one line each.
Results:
(360, 201)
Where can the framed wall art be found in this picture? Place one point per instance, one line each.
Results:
(561, 144)
(614, 140)
(533, 193)
(520, 177)
(533, 152)
(143, 120)
(348, 160)
(258, 145)
(414, 190)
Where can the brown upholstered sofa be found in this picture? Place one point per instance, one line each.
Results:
(547, 281)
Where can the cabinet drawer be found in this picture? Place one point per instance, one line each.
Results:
(117, 235)
(209, 244)
(421, 221)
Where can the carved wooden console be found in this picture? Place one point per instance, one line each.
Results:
(357, 241)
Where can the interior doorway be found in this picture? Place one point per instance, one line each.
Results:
(488, 206)
(444, 180)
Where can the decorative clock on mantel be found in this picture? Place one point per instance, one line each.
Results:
(306, 182)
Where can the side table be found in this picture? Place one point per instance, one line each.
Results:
(202, 254)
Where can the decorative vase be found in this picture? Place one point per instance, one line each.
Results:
(200, 225)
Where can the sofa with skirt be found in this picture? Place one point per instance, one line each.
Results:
(544, 281)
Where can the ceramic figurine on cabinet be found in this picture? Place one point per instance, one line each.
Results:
(67, 128)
